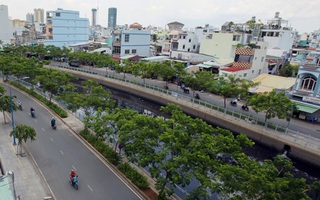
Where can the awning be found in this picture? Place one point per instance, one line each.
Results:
(204, 66)
(306, 108)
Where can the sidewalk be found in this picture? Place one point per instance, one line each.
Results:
(28, 182)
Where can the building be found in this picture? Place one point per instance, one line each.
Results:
(132, 41)
(248, 61)
(6, 33)
(30, 18)
(39, 15)
(306, 91)
(65, 27)
(112, 18)
(94, 17)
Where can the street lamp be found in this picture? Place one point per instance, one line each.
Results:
(12, 117)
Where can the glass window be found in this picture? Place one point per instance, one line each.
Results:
(57, 14)
(127, 51)
(134, 51)
(308, 83)
(126, 37)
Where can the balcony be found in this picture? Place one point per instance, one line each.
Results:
(116, 44)
(245, 51)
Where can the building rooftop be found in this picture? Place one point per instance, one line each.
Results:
(269, 82)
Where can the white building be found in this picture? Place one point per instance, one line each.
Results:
(30, 18)
(6, 33)
(39, 15)
(65, 27)
(248, 62)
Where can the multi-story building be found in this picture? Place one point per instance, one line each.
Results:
(112, 18)
(248, 61)
(6, 33)
(132, 41)
(94, 17)
(30, 18)
(65, 27)
(306, 91)
(39, 15)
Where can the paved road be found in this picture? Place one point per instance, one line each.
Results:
(56, 152)
(295, 126)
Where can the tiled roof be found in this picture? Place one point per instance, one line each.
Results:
(233, 69)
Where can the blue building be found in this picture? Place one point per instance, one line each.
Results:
(133, 41)
(65, 27)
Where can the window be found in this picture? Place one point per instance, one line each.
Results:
(245, 75)
(308, 83)
(134, 51)
(126, 38)
(188, 49)
(184, 37)
(252, 71)
(189, 40)
(236, 38)
(183, 46)
(127, 51)
(57, 14)
(262, 59)
(194, 46)
(259, 71)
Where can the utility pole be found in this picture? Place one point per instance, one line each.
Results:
(12, 117)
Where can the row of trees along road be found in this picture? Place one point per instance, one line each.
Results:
(176, 150)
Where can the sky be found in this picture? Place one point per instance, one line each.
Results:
(303, 16)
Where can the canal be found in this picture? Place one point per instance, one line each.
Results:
(258, 152)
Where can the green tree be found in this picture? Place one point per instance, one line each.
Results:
(23, 133)
(274, 104)
(288, 70)
(51, 80)
(231, 87)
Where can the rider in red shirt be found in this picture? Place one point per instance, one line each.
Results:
(72, 174)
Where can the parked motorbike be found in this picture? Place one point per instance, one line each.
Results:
(197, 96)
(245, 107)
(74, 182)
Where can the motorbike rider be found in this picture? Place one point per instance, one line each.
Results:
(234, 101)
(20, 104)
(72, 175)
(32, 111)
(53, 122)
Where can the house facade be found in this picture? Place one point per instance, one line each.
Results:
(248, 62)
(65, 27)
(133, 41)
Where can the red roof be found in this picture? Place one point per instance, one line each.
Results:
(271, 61)
(233, 69)
(116, 59)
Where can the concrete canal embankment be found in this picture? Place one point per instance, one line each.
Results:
(296, 146)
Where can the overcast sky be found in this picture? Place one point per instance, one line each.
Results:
(303, 15)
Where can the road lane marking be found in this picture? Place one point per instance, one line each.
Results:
(51, 139)
(43, 130)
(36, 120)
(74, 168)
(90, 188)
(61, 152)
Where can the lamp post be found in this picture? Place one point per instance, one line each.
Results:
(12, 117)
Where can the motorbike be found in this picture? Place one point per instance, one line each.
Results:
(54, 126)
(197, 96)
(74, 182)
(245, 107)
(20, 106)
(233, 103)
(33, 114)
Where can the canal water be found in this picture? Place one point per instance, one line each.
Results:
(258, 152)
